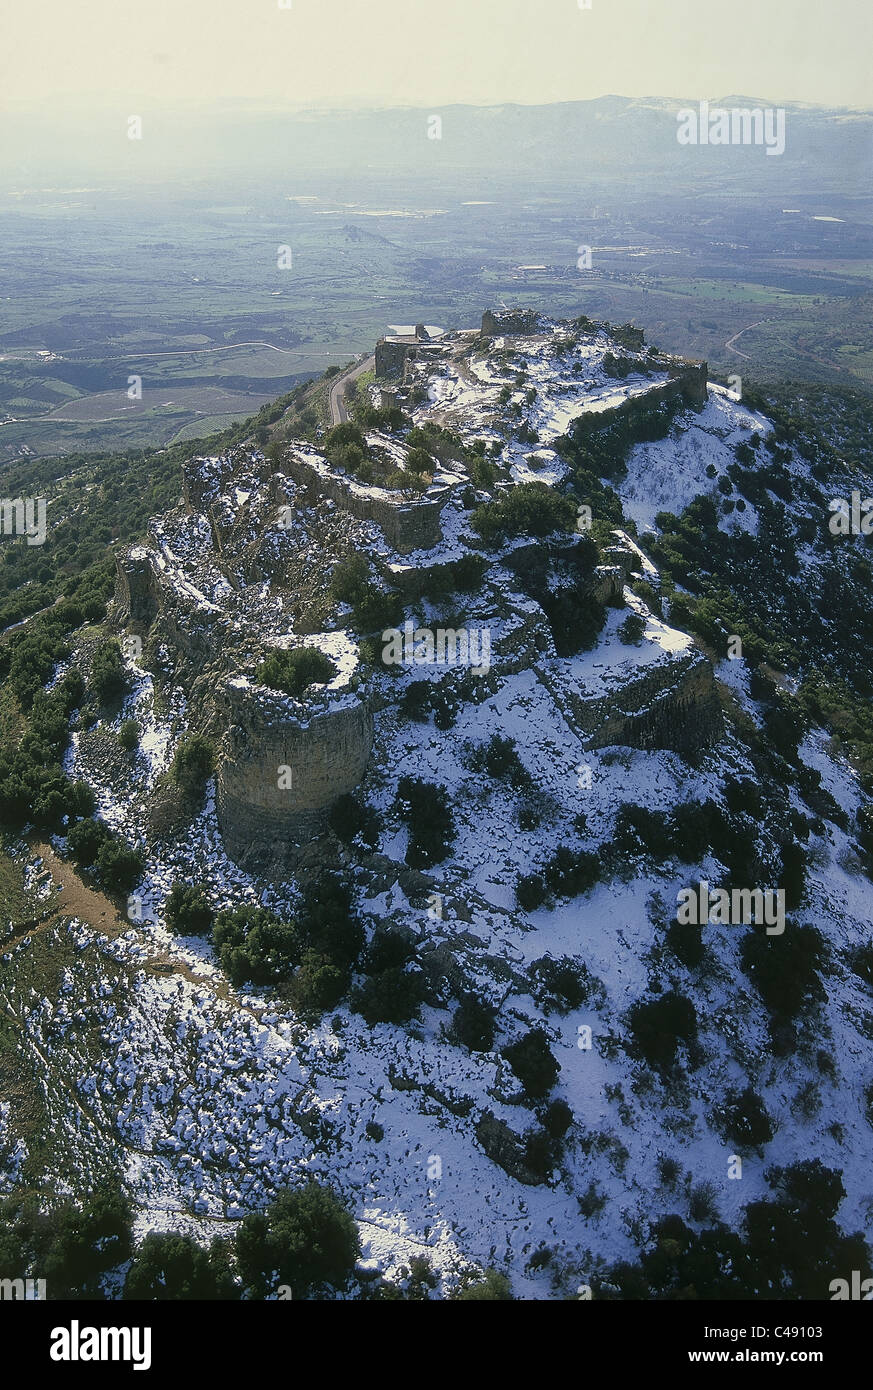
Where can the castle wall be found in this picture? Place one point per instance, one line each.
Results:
(328, 756)
(669, 705)
(137, 591)
(407, 526)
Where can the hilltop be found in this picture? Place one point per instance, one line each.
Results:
(413, 727)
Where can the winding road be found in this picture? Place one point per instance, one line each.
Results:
(336, 403)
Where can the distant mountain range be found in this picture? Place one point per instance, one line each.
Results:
(612, 134)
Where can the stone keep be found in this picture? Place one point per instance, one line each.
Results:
(327, 752)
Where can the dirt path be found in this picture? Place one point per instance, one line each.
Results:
(89, 905)
(729, 345)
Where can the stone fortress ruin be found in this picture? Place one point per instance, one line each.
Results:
(243, 565)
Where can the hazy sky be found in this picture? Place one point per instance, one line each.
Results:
(332, 53)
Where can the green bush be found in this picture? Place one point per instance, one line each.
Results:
(85, 838)
(170, 1267)
(108, 680)
(659, 1025)
(254, 946)
(351, 820)
(188, 911)
(318, 985)
(306, 1239)
(424, 808)
(529, 509)
(745, 1121)
(473, 1023)
(394, 996)
(119, 868)
(293, 672)
(193, 764)
(128, 735)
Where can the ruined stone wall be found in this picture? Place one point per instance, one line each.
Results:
(137, 588)
(512, 323)
(407, 526)
(391, 359)
(261, 823)
(646, 415)
(673, 704)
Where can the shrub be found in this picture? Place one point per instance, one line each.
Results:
(685, 940)
(533, 1062)
(306, 1239)
(424, 808)
(128, 735)
(659, 1025)
(473, 1023)
(119, 867)
(746, 1122)
(188, 911)
(785, 968)
(632, 629)
(351, 821)
(193, 764)
(492, 1288)
(168, 1266)
(563, 983)
(530, 509)
(293, 672)
(530, 892)
(571, 871)
(254, 946)
(108, 679)
(318, 985)
(85, 838)
(393, 996)
(557, 1118)
(328, 923)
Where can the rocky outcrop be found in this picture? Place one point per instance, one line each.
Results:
(505, 1148)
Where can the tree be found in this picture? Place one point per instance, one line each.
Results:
(632, 629)
(659, 1025)
(119, 867)
(318, 985)
(306, 1239)
(188, 911)
(473, 1023)
(171, 1267)
(108, 677)
(128, 735)
(393, 996)
(193, 764)
(493, 1287)
(85, 838)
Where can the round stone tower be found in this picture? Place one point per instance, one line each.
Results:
(283, 762)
